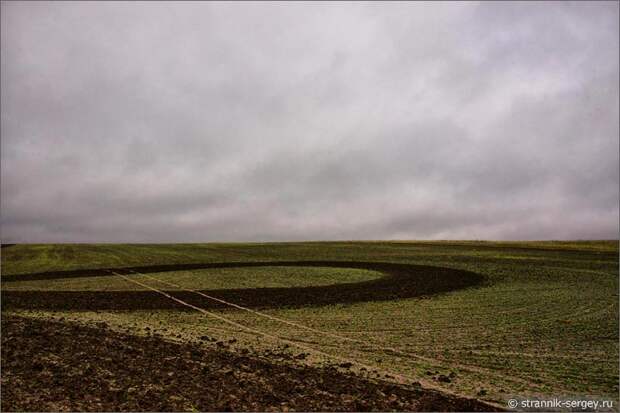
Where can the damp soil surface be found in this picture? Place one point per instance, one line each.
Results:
(59, 366)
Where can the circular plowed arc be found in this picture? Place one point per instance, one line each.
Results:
(400, 281)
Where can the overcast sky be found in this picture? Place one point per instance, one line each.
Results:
(154, 122)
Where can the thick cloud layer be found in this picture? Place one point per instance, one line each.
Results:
(196, 121)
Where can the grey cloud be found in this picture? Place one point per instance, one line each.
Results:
(149, 122)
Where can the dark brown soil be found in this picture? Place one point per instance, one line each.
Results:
(54, 366)
(400, 281)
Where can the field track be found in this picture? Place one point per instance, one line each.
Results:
(400, 281)
(533, 319)
(63, 366)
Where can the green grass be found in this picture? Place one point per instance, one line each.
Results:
(208, 279)
(24, 259)
(545, 322)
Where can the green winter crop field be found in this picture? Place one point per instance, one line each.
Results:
(486, 320)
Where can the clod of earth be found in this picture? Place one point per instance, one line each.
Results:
(53, 366)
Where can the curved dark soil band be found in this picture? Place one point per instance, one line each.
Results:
(52, 366)
(400, 281)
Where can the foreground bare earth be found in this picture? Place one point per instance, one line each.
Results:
(56, 366)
